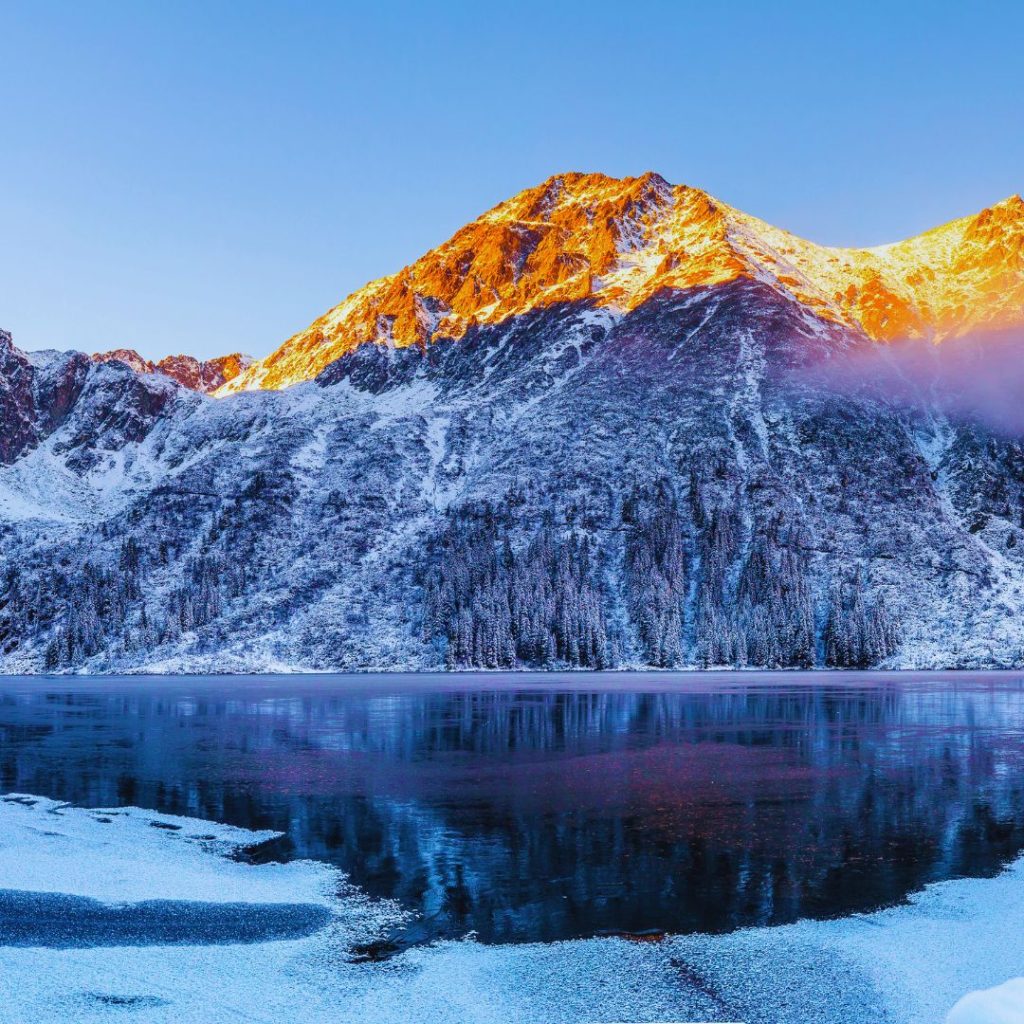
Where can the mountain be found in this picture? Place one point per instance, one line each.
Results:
(587, 237)
(197, 375)
(590, 430)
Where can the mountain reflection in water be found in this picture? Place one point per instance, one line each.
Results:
(524, 812)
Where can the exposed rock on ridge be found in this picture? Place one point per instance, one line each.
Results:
(205, 376)
(616, 243)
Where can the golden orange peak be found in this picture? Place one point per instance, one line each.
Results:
(615, 242)
(1013, 203)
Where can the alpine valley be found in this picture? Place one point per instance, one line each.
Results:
(594, 429)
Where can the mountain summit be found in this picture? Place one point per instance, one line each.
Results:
(614, 243)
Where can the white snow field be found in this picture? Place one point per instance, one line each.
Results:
(905, 965)
(1003, 1004)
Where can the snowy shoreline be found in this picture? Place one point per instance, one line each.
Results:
(569, 679)
(216, 669)
(907, 964)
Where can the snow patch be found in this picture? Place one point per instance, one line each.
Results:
(1003, 1004)
(127, 854)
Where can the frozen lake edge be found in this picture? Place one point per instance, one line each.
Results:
(906, 965)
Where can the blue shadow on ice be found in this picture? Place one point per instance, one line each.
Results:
(60, 921)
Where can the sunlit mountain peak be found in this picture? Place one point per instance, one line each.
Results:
(615, 242)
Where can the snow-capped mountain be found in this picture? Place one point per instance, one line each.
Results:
(589, 430)
(616, 243)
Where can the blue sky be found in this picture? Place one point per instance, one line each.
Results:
(211, 177)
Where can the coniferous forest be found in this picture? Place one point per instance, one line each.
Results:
(690, 594)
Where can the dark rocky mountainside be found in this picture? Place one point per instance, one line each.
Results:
(37, 393)
(570, 488)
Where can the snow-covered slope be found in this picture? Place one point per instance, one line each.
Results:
(638, 463)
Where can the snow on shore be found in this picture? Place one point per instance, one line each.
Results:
(1003, 1004)
(127, 854)
(905, 965)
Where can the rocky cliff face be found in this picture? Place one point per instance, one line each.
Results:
(16, 408)
(629, 474)
(36, 394)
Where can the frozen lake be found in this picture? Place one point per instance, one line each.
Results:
(525, 808)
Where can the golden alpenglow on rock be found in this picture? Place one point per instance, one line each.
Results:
(616, 242)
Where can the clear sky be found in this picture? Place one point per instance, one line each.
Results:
(209, 177)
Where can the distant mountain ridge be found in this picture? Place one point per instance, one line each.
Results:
(205, 375)
(590, 431)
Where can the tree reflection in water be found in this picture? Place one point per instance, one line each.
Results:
(526, 813)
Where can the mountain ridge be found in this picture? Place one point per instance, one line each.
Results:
(617, 242)
(203, 375)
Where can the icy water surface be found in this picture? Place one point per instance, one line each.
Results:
(546, 807)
